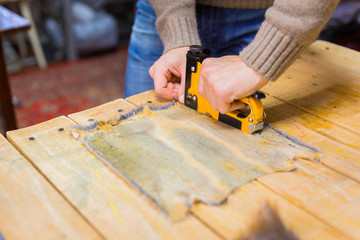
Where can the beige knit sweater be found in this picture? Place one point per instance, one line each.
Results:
(290, 26)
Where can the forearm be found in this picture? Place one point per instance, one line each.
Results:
(290, 26)
(176, 23)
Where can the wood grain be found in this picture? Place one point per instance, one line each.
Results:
(106, 112)
(148, 97)
(116, 209)
(324, 81)
(315, 101)
(281, 114)
(233, 219)
(178, 156)
(30, 207)
(332, 197)
(339, 143)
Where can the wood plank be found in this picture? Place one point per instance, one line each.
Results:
(166, 154)
(332, 197)
(30, 207)
(281, 113)
(106, 112)
(324, 81)
(148, 97)
(115, 208)
(341, 144)
(233, 219)
(227, 220)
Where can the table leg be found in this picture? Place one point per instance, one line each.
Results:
(6, 106)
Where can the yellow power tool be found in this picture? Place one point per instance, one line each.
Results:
(248, 120)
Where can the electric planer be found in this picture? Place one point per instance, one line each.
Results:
(248, 120)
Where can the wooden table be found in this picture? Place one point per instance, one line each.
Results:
(53, 187)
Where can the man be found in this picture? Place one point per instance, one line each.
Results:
(253, 42)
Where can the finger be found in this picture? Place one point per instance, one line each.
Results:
(170, 85)
(151, 70)
(181, 90)
(161, 75)
(236, 105)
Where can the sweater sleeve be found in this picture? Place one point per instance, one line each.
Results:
(289, 27)
(176, 23)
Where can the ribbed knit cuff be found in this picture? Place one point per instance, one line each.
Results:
(244, 4)
(179, 31)
(271, 52)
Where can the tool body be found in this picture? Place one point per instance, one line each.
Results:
(248, 122)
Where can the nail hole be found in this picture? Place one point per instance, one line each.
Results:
(149, 101)
(327, 48)
(61, 129)
(120, 110)
(91, 119)
(31, 138)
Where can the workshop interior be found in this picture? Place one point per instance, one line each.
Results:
(81, 160)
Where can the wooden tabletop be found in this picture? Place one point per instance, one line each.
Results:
(53, 187)
(11, 22)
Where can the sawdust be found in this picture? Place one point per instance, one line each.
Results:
(177, 156)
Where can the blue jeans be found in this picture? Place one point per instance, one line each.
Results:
(223, 31)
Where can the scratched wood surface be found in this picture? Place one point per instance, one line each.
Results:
(342, 144)
(306, 185)
(30, 208)
(331, 90)
(315, 101)
(105, 200)
(171, 154)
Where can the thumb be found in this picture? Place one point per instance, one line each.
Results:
(151, 71)
(181, 92)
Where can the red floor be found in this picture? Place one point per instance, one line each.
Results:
(68, 87)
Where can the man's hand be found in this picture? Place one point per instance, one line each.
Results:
(226, 79)
(169, 72)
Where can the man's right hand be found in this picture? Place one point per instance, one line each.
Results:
(168, 73)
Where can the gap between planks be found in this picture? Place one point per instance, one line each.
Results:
(142, 98)
(27, 177)
(166, 232)
(313, 114)
(326, 120)
(111, 111)
(150, 96)
(302, 208)
(322, 72)
(18, 148)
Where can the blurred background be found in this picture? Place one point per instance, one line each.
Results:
(82, 59)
